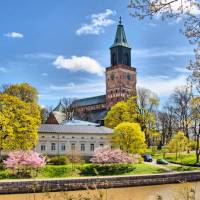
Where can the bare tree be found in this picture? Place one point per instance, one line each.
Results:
(188, 11)
(181, 101)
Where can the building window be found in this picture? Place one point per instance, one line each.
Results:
(82, 147)
(42, 147)
(101, 145)
(53, 146)
(91, 147)
(53, 136)
(63, 147)
(43, 136)
(82, 138)
(92, 138)
(73, 146)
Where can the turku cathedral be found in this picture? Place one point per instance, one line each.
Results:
(120, 84)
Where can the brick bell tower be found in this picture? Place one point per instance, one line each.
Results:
(120, 76)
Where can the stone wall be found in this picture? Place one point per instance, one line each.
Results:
(30, 186)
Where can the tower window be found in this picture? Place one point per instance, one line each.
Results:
(129, 77)
(113, 59)
(112, 76)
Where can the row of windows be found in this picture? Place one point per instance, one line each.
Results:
(128, 77)
(63, 147)
(73, 137)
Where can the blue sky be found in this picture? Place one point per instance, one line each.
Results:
(62, 47)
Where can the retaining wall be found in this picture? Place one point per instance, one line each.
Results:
(55, 185)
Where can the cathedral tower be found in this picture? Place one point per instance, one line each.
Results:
(120, 76)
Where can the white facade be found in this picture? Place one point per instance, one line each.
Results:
(63, 139)
(61, 144)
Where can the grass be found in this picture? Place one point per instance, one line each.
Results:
(64, 171)
(144, 168)
(187, 159)
(182, 168)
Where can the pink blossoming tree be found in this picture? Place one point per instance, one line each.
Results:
(24, 162)
(106, 155)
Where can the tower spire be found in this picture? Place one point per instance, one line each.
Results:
(120, 20)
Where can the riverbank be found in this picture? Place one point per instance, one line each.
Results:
(71, 184)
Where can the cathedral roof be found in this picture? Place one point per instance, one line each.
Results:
(120, 37)
(59, 108)
(90, 101)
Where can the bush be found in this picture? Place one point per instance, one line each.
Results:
(106, 155)
(109, 169)
(23, 163)
(58, 160)
(55, 171)
(74, 157)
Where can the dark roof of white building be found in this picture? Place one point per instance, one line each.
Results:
(82, 129)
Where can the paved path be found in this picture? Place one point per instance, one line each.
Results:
(163, 166)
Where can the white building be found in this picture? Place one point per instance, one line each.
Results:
(79, 136)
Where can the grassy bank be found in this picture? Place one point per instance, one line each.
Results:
(64, 171)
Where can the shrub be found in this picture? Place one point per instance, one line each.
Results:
(106, 155)
(109, 169)
(23, 162)
(58, 160)
(74, 157)
(51, 171)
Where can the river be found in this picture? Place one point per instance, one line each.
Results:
(168, 192)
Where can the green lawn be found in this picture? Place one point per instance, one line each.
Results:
(171, 157)
(53, 171)
(186, 158)
(182, 168)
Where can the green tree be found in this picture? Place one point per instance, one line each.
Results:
(178, 144)
(129, 137)
(20, 123)
(23, 91)
(117, 114)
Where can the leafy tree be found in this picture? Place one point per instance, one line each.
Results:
(129, 137)
(117, 114)
(23, 91)
(20, 123)
(178, 144)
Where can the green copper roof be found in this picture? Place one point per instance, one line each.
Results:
(120, 37)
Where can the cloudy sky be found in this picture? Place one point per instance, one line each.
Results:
(62, 47)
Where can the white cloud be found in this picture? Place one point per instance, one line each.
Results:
(82, 63)
(98, 23)
(44, 74)
(49, 56)
(86, 89)
(160, 85)
(14, 35)
(182, 69)
(151, 24)
(3, 69)
(161, 52)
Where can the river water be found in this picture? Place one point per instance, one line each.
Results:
(168, 192)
